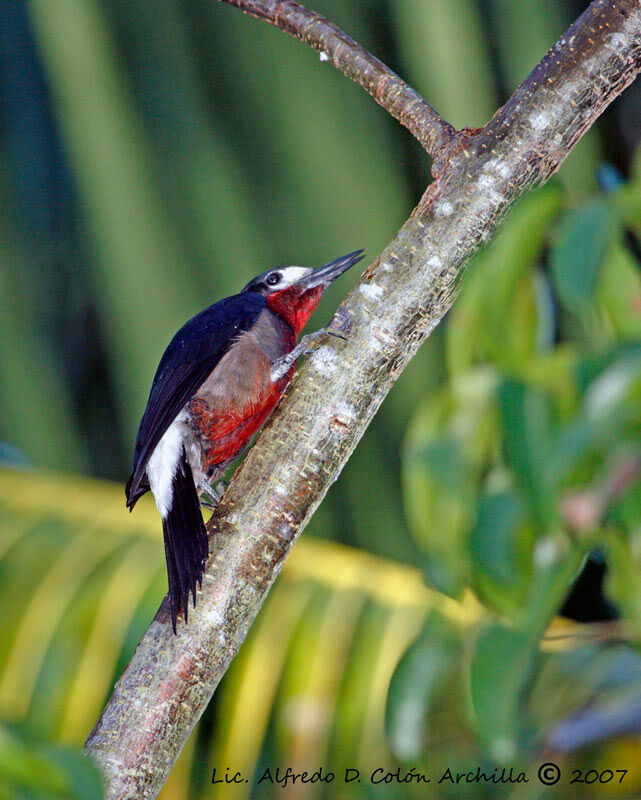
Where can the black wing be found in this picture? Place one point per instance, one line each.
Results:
(191, 356)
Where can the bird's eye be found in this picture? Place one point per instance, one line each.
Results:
(272, 279)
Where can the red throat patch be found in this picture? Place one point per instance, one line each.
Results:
(295, 306)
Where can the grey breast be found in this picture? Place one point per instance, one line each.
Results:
(241, 377)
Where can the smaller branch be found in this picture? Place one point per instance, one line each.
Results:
(384, 85)
(610, 632)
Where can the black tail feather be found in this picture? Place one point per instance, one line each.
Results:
(186, 545)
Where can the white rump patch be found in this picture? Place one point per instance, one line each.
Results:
(162, 464)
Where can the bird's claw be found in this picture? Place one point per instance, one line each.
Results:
(214, 494)
(307, 345)
(313, 341)
(335, 332)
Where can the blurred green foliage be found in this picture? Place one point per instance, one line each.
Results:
(31, 770)
(156, 155)
(515, 469)
(307, 687)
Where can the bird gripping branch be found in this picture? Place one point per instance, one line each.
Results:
(218, 381)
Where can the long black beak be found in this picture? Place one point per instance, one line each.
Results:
(331, 271)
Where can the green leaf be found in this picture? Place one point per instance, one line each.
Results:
(447, 447)
(570, 448)
(108, 149)
(557, 562)
(415, 682)
(500, 666)
(619, 293)
(491, 540)
(500, 546)
(83, 778)
(577, 254)
(502, 657)
(526, 419)
(606, 421)
(443, 459)
(28, 765)
(500, 278)
(613, 398)
(433, 507)
(622, 578)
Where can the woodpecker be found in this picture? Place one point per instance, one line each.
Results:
(218, 381)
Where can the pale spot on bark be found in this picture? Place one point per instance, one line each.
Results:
(383, 337)
(213, 614)
(444, 209)
(617, 40)
(540, 121)
(342, 416)
(486, 182)
(324, 361)
(501, 168)
(372, 291)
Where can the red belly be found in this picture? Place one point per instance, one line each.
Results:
(225, 434)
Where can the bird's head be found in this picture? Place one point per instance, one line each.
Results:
(294, 292)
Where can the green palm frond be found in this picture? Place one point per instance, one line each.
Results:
(82, 579)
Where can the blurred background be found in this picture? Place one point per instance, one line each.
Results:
(155, 155)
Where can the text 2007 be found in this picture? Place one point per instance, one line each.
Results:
(594, 776)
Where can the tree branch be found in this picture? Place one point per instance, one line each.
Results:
(399, 301)
(400, 100)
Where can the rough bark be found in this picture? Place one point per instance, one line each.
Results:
(400, 299)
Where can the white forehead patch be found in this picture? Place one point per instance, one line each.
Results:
(291, 275)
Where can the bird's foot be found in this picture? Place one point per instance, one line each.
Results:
(214, 494)
(307, 345)
(312, 341)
